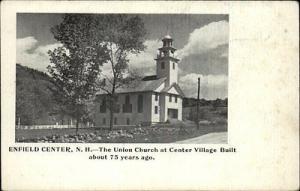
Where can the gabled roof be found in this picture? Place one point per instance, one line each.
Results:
(176, 86)
(142, 86)
(148, 83)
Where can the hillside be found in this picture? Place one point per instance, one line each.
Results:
(190, 102)
(209, 110)
(34, 103)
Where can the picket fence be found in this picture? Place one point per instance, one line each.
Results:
(44, 126)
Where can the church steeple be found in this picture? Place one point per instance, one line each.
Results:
(166, 63)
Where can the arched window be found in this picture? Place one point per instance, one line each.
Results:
(128, 121)
(156, 96)
(140, 103)
(156, 109)
(103, 105)
(127, 106)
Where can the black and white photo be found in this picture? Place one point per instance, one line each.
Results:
(149, 95)
(129, 78)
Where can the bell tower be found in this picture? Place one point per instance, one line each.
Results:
(166, 63)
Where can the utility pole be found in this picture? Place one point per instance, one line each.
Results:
(19, 122)
(197, 119)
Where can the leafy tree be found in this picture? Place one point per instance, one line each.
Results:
(123, 35)
(88, 42)
(75, 65)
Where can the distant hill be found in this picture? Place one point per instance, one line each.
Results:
(209, 110)
(34, 102)
(190, 102)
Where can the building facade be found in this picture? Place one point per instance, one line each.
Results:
(153, 99)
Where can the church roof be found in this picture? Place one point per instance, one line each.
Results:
(167, 37)
(176, 86)
(148, 83)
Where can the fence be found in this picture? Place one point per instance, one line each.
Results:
(44, 126)
(115, 127)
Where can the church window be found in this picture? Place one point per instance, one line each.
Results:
(162, 65)
(116, 105)
(128, 121)
(156, 109)
(117, 108)
(170, 98)
(127, 107)
(174, 65)
(103, 105)
(127, 99)
(140, 103)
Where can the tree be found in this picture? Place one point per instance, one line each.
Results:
(123, 35)
(75, 65)
(88, 42)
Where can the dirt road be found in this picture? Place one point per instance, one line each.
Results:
(211, 138)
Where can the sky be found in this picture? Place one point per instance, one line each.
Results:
(201, 42)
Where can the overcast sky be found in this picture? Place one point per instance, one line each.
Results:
(201, 40)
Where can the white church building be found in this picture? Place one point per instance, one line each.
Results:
(154, 99)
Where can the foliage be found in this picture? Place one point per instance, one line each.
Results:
(210, 110)
(34, 103)
(88, 42)
(188, 102)
(123, 35)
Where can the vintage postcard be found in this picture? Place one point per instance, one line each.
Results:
(149, 95)
(142, 93)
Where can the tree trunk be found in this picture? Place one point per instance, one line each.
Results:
(198, 95)
(111, 123)
(77, 124)
(111, 114)
(62, 119)
(111, 108)
(77, 121)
